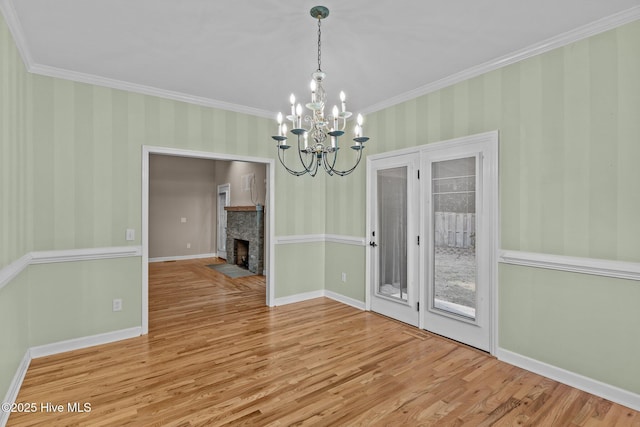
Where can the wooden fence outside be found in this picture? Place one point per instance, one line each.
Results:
(455, 230)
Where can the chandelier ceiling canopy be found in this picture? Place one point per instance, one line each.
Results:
(317, 138)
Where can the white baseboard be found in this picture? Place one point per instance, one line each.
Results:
(291, 299)
(345, 300)
(84, 342)
(14, 387)
(182, 257)
(55, 348)
(609, 392)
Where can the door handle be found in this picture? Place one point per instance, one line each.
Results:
(373, 244)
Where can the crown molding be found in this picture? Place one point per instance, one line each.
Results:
(588, 30)
(11, 18)
(15, 28)
(580, 33)
(61, 73)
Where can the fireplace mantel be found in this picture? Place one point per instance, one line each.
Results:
(251, 208)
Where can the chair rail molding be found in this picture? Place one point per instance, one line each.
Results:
(593, 266)
(12, 270)
(320, 238)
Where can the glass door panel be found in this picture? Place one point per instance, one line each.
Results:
(460, 223)
(392, 232)
(454, 236)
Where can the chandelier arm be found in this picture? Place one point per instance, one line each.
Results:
(315, 168)
(347, 172)
(291, 171)
(307, 168)
(330, 168)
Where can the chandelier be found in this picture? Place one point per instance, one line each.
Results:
(318, 140)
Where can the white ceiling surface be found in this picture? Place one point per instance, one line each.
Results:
(254, 53)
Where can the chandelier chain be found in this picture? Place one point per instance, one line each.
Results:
(319, 46)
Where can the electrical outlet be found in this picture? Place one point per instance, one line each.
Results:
(117, 304)
(183, 219)
(344, 276)
(131, 234)
(188, 245)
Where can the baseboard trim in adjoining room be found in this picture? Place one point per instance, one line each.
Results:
(183, 257)
(598, 388)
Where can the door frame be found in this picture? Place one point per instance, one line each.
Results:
(402, 310)
(490, 139)
(226, 190)
(270, 254)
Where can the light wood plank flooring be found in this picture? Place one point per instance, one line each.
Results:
(215, 355)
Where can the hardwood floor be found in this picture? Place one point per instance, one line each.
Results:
(215, 355)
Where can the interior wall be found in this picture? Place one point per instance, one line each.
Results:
(248, 181)
(71, 179)
(15, 207)
(568, 123)
(181, 187)
(15, 150)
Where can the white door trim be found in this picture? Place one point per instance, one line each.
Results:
(226, 190)
(269, 212)
(405, 311)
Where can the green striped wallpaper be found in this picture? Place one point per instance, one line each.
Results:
(15, 209)
(568, 122)
(70, 158)
(569, 149)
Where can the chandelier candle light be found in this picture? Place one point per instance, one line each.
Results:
(318, 144)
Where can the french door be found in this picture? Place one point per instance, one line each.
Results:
(451, 227)
(393, 238)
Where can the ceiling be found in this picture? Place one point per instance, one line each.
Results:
(249, 55)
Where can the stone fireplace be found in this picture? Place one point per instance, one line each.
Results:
(245, 237)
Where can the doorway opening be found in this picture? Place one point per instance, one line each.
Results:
(269, 241)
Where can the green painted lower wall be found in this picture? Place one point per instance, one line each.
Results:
(49, 303)
(582, 323)
(74, 299)
(299, 268)
(14, 322)
(349, 259)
